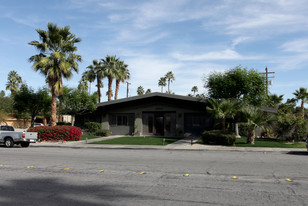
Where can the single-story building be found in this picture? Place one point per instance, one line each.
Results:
(152, 114)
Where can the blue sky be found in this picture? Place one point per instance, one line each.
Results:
(191, 38)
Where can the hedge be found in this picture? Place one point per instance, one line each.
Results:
(216, 137)
(65, 133)
(93, 127)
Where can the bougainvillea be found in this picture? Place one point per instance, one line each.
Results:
(65, 133)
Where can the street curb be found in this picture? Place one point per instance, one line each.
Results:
(186, 148)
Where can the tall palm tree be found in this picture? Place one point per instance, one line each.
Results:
(169, 77)
(122, 74)
(302, 95)
(223, 109)
(110, 70)
(162, 83)
(95, 71)
(194, 89)
(57, 59)
(14, 80)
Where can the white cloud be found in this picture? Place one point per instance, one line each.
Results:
(298, 46)
(227, 54)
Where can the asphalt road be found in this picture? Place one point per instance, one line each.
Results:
(65, 176)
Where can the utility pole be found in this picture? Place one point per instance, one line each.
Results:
(127, 90)
(267, 77)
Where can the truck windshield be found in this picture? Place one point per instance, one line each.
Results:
(7, 128)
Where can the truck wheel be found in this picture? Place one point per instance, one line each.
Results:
(8, 142)
(25, 144)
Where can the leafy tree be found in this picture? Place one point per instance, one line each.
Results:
(3, 116)
(2, 93)
(110, 69)
(122, 74)
(56, 60)
(170, 78)
(223, 109)
(148, 91)
(140, 90)
(238, 83)
(78, 102)
(301, 95)
(162, 83)
(194, 89)
(26, 101)
(83, 84)
(95, 71)
(13, 82)
(6, 103)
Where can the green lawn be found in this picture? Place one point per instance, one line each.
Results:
(266, 142)
(139, 140)
(84, 136)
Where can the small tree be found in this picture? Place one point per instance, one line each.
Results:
(148, 91)
(255, 118)
(140, 90)
(13, 82)
(162, 83)
(223, 109)
(78, 102)
(194, 89)
(170, 78)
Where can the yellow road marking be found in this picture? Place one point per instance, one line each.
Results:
(67, 168)
(186, 175)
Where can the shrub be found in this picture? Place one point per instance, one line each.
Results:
(93, 127)
(103, 133)
(65, 133)
(300, 132)
(216, 137)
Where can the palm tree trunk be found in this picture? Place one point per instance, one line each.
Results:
(161, 89)
(303, 109)
(60, 118)
(224, 126)
(89, 88)
(98, 89)
(117, 89)
(169, 86)
(53, 107)
(45, 121)
(109, 87)
(251, 139)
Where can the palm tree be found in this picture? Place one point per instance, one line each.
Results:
(194, 89)
(140, 90)
(274, 100)
(223, 109)
(56, 60)
(122, 74)
(95, 71)
(148, 91)
(255, 118)
(14, 80)
(162, 83)
(302, 95)
(110, 70)
(169, 77)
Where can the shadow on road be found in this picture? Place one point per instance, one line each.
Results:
(298, 153)
(52, 191)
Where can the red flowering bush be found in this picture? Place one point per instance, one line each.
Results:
(65, 133)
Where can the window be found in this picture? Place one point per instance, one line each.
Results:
(119, 120)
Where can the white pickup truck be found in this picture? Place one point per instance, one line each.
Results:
(9, 137)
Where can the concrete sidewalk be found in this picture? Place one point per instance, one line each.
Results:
(183, 144)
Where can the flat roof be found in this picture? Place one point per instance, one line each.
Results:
(154, 94)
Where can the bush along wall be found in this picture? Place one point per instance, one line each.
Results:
(217, 138)
(65, 133)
